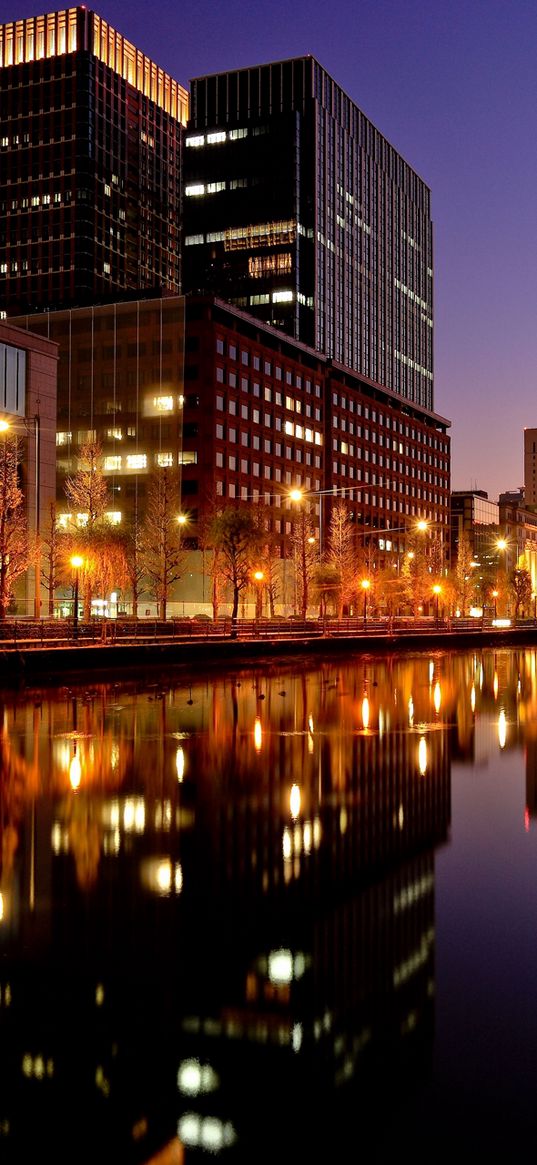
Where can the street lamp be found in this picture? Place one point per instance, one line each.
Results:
(437, 591)
(365, 585)
(259, 578)
(76, 562)
(495, 597)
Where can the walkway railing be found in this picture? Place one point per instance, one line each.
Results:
(29, 633)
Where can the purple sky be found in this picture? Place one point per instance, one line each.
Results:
(453, 85)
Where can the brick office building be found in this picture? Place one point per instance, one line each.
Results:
(245, 414)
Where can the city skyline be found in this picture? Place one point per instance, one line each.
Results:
(451, 89)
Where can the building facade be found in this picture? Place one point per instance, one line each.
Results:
(243, 414)
(90, 165)
(28, 383)
(299, 211)
(530, 468)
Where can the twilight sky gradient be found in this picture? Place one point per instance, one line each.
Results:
(452, 84)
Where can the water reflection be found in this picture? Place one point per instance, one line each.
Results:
(217, 901)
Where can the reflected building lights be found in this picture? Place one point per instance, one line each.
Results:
(437, 697)
(422, 755)
(365, 712)
(495, 685)
(194, 1078)
(294, 802)
(472, 698)
(502, 729)
(75, 771)
(410, 712)
(180, 763)
(258, 735)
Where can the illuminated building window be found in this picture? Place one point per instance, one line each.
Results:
(164, 459)
(112, 464)
(259, 266)
(195, 141)
(63, 438)
(195, 190)
(114, 517)
(137, 461)
(282, 296)
(163, 404)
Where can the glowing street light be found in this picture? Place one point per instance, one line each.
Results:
(437, 591)
(259, 578)
(76, 562)
(365, 585)
(495, 597)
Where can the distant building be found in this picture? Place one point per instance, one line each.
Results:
(299, 211)
(245, 413)
(28, 377)
(90, 165)
(530, 468)
(519, 527)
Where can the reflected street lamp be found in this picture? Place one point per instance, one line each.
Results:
(76, 562)
(365, 585)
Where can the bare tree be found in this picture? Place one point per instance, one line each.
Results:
(520, 587)
(237, 540)
(463, 573)
(163, 552)
(134, 554)
(304, 555)
(55, 553)
(341, 553)
(88, 496)
(87, 491)
(17, 547)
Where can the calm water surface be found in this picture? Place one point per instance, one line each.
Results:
(276, 914)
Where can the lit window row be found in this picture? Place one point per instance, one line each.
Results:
(216, 138)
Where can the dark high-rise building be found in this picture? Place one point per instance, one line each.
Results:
(298, 210)
(90, 165)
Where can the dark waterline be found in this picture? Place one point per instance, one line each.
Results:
(284, 912)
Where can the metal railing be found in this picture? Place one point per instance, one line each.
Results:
(29, 633)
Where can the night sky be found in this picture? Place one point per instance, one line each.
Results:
(452, 84)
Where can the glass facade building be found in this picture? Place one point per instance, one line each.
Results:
(90, 165)
(299, 211)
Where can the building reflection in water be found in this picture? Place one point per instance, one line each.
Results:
(217, 917)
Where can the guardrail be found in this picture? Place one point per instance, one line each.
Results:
(29, 633)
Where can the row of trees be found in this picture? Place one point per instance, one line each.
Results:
(149, 556)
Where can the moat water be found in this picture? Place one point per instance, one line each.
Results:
(272, 914)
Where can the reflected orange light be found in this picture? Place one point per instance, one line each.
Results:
(258, 735)
(365, 712)
(75, 772)
(437, 696)
(495, 685)
(294, 802)
(502, 729)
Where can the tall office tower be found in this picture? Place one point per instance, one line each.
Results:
(299, 211)
(90, 161)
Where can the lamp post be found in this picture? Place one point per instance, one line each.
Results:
(437, 591)
(365, 585)
(76, 562)
(495, 597)
(259, 578)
